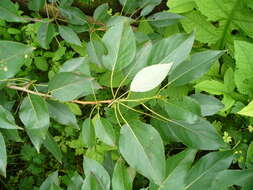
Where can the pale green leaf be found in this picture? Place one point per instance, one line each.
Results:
(181, 6)
(9, 12)
(45, 34)
(7, 121)
(247, 110)
(88, 133)
(51, 179)
(150, 77)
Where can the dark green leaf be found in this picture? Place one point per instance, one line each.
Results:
(66, 86)
(7, 121)
(61, 113)
(93, 167)
(77, 65)
(12, 57)
(194, 68)
(52, 147)
(121, 50)
(142, 147)
(45, 34)
(9, 12)
(205, 170)
(104, 130)
(121, 178)
(36, 5)
(88, 133)
(73, 15)
(3, 156)
(69, 35)
(34, 115)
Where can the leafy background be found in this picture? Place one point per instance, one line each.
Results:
(124, 95)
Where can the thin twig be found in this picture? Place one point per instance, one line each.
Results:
(22, 89)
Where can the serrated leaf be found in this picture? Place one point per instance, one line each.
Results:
(7, 121)
(66, 86)
(34, 115)
(150, 77)
(139, 140)
(121, 178)
(104, 130)
(205, 170)
(45, 34)
(3, 156)
(194, 68)
(12, 57)
(69, 35)
(121, 50)
(243, 74)
(61, 113)
(93, 167)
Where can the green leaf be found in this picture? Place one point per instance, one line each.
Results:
(52, 147)
(101, 13)
(12, 57)
(76, 182)
(36, 5)
(177, 169)
(3, 156)
(91, 183)
(7, 121)
(34, 115)
(243, 74)
(67, 86)
(194, 68)
(164, 19)
(247, 110)
(249, 157)
(150, 77)
(69, 35)
(9, 12)
(77, 65)
(212, 87)
(121, 178)
(51, 180)
(228, 178)
(96, 50)
(104, 130)
(121, 50)
(205, 170)
(181, 6)
(61, 113)
(174, 49)
(209, 104)
(142, 147)
(185, 109)
(45, 34)
(73, 15)
(229, 80)
(41, 63)
(206, 32)
(198, 135)
(88, 133)
(93, 167)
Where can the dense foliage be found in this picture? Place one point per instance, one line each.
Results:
(135, 99)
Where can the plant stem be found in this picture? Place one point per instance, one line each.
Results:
(22, 89)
